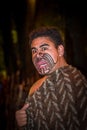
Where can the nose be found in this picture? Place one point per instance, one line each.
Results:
(39, 54)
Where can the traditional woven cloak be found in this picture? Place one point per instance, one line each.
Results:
(60, 103)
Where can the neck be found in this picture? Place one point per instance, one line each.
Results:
(60, 63)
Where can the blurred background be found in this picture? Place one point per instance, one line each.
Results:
(17, 19)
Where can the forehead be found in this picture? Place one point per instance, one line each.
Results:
(37, 42)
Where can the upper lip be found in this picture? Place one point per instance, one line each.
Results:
(41, 62)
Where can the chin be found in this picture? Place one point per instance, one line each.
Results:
(45, 73)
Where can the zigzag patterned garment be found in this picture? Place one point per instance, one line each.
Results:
(60, 103)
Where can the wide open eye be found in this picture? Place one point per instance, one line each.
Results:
(44, 48)
(34, 51)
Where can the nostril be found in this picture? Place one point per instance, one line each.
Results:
(40, 53)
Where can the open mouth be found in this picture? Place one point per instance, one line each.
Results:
(41, 64)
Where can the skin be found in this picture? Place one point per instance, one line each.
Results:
(46, 59)
(45, 56)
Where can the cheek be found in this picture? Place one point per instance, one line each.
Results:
(54, 55)
(33, 60)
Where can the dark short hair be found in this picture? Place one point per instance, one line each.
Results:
(51, 32)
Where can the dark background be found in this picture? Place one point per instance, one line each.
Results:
(24, 15)
(17, 19)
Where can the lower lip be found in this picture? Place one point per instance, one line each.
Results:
(41, 66)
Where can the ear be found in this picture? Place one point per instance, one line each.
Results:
(61, 50)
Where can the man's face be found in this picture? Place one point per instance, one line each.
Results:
(44, 55)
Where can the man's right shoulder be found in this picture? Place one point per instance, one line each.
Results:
(36, 85)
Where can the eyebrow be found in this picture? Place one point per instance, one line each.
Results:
(45, 44)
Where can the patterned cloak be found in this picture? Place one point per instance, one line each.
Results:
(60, 103)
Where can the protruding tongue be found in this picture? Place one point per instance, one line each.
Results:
(41, 64)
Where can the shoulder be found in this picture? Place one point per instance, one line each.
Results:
(73, 75)
(36, 85)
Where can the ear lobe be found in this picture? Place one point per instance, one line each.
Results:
(61, 50)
